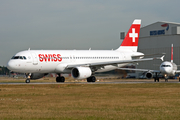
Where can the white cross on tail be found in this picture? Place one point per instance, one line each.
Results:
(133, 35)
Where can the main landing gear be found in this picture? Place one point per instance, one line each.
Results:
(60, 78)
(156, 78)
(91, 79)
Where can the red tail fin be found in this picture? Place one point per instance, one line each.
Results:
(172, 53)
(130, 42)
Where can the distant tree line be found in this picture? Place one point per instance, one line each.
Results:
(4, 70)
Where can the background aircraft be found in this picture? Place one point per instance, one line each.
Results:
(166, 69)
(81, 64)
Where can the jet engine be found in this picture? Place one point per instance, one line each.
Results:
(149, 75)
(81, 72)
(37, 75)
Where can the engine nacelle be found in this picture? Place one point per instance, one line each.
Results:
(149, 75)
(37, 75)
(81, 72)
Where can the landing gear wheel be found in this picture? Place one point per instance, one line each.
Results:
(60, 79)
(27, 80)
(91, 79)
(156, 78)
(88, 79)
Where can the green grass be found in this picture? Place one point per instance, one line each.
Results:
(90, 101)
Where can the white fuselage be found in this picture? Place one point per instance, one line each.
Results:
(80, 63)
(56, 61)
(168, 68)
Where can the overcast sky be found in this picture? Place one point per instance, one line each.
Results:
(74, 24)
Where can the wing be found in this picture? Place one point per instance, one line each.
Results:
(143, 70)
(177, 71)
(111, 62)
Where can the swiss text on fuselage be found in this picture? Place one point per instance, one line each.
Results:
(50, 57)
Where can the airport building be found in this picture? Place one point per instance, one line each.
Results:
(157, 38)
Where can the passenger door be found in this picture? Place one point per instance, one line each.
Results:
(35, 58)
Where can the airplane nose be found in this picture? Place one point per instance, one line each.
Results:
(165, 70)
(11, 65)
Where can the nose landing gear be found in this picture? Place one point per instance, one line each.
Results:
(166, 78)
(28, 76)
(27, 80)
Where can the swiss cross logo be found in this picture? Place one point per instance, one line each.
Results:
(133, 35)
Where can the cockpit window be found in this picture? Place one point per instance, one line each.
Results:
(24, 57)
(19, 57)
(165, 66)
(15, 57)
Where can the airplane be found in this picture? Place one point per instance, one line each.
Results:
(167, 68)
(81, 64)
